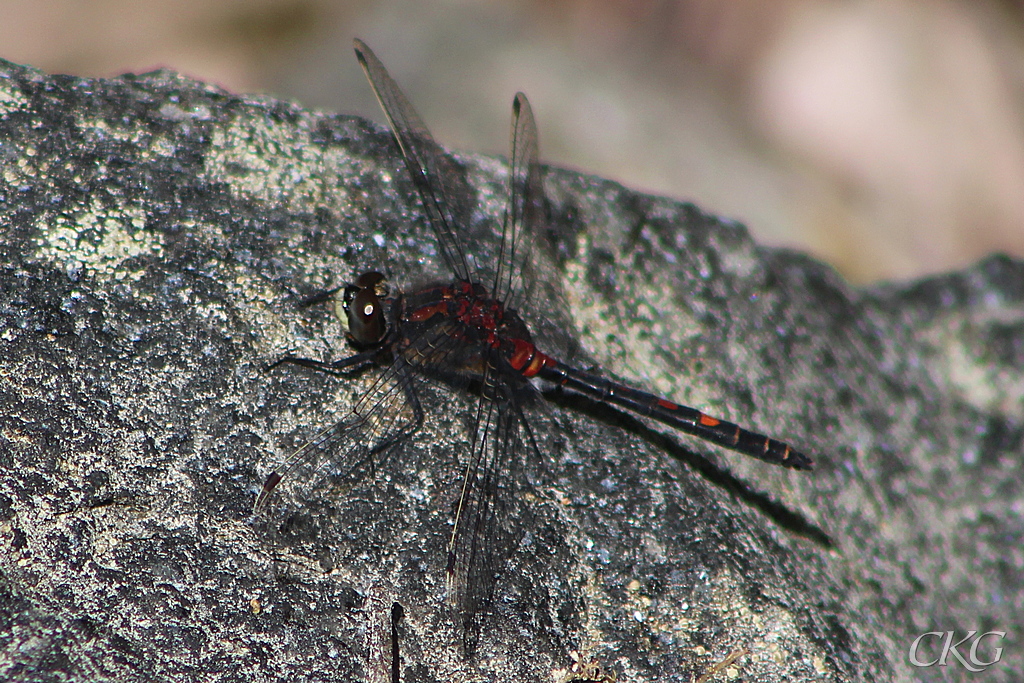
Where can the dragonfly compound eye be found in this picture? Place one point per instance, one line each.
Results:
(363, 310)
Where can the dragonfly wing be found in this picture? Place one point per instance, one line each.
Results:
(440, 182)
(488, 524)
(301, 491)
(526, 267)
(524, 210)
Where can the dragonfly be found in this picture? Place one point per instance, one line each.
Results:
(466, 334)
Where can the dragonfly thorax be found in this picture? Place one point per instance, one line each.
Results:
(474, 308)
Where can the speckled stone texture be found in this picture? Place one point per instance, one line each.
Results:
(157, 235)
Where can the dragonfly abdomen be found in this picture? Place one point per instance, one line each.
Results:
(683, 418)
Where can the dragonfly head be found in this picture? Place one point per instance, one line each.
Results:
(361, 307)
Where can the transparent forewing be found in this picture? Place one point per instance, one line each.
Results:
(440, 182)
(513, 274)
(344, 453)
(487, 521)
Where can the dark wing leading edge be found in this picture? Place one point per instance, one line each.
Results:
(445, 195)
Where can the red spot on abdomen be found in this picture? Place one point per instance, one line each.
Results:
(667, 405)
(709, 421)
(539, 361)
(523, 354)
(527, 359)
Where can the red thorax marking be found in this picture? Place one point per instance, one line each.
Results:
(427, 312)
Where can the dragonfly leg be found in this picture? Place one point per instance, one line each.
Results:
(319, 297)
(342, 366)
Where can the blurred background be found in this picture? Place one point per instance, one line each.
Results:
(885, 137)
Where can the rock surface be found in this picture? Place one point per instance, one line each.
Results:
(157, 234)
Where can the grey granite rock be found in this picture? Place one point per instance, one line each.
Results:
(157, 234)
